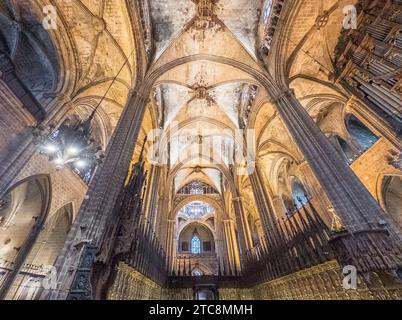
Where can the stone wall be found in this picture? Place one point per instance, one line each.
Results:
(66, 186)
(372, 165)
(14, 120)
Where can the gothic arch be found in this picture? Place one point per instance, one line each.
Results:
(204, 234)
(200, 222)
(83, 108)
(44, 253)
(359, 132)
(203, 198)
(389, 194)
(54, 46)
(223, 169)
(24, 213)
(261, 79)
(203, 268)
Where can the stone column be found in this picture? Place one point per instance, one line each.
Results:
(77, 257)
(365, 229)
(231, 245)
(154, 196)
(319, 198)
(162, 221)
(13, 162)
(245, 239)
(260, 230)
(219, 240)
(170, 243)
(150, 194)
(16, 123)
(263, 198)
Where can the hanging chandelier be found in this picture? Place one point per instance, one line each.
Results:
(70, 144)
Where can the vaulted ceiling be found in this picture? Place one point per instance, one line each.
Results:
(203, 100)
(92, 44)
(202, 103)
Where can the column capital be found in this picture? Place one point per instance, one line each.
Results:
(158, 165)
(257, 162)
(304, 164)
(228, 221)
(139, 93)
(285, 93)
(237, 199)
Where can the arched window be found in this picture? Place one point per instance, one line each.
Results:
(392, 196)
(267, 11)
(360, 133)
(197, 273)
(29, 44)
(344, 148)
(299, 193)
(195, 244)
(23, 212)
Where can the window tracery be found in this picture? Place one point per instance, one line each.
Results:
(196, 210)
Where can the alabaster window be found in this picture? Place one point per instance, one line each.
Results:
(195, 210)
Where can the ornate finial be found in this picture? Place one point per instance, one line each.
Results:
(336, 224)
(322, 20)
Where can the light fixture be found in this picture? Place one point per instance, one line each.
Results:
(80, 164)
(72, 143)
(51, 148)
(73, 150)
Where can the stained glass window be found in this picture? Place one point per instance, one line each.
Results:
(197, 273)
(195, 245)
(267, 10)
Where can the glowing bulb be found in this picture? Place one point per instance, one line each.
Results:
(73, 150)
(59, 161)
(80, 164)
(51, 148)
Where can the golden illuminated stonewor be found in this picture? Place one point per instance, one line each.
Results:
(200, 149)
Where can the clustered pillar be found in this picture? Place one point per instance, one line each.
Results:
(368, 242)
(78, 255)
